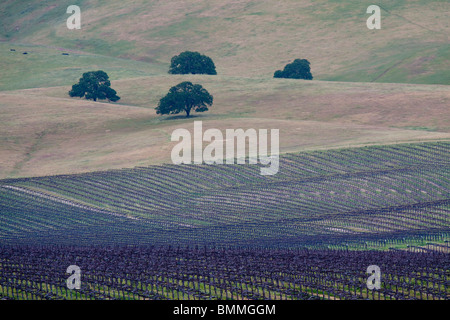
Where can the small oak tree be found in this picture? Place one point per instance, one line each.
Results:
(192, 62)
(94, 85)
(299, 69)
(185, 96)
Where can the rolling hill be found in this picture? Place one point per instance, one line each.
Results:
(364, 167)
(250, 38)
(46, 132)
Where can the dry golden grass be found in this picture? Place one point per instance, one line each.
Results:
(45, 132)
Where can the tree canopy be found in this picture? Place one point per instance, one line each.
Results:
(299, 69)
(94, 85)
(192, 62)
(185, 96)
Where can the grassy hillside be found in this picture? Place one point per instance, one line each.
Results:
(248, 38)
(45, 132)
(46, 67)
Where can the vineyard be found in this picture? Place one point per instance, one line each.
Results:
(226, 232)
(240, 274)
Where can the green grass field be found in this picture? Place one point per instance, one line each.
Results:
(249, 38)
(346, 105)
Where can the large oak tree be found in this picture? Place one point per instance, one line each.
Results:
(192, 62)
(185, 96)
(299, 69)
(94, 85)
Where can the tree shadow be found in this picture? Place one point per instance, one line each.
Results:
(181, 116)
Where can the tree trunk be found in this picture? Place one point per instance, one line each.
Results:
(187, 112)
